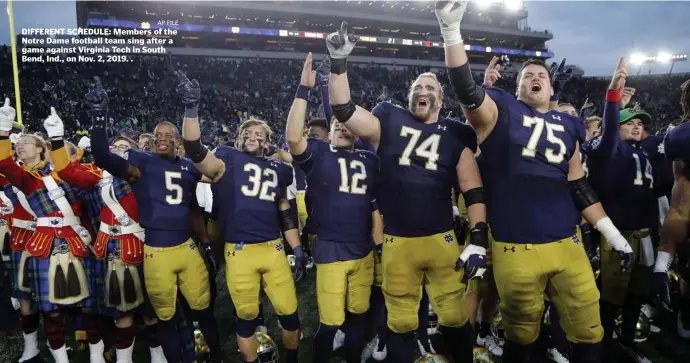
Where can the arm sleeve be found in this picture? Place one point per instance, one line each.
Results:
(608, 142)
(326, 102)
(102, 156)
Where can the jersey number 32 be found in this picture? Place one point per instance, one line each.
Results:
(262, 182)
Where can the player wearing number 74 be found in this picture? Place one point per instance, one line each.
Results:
(421, 158)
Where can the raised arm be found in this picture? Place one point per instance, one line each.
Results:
(323, 78)
(14, 173)
(560, 76)
(207, 163)
(97, 101)
(294, 130)
(359, 121)
(481, 111)
(68, 171)
(609, 141)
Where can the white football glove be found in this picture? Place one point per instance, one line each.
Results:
(340, 43)
(15, 303)
(14, 138)
(449, 14)
(84, 143)
(617, 242)
(7, 115)
(53, 125)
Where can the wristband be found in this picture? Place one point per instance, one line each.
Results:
(451, 35)
(556, 96)
(56, 144)
(191, 112)
(302, 92)
(338, 65)
(614, 95)
(606, 227)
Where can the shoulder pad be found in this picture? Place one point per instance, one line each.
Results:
(465, 133)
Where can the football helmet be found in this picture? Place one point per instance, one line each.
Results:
(291, 260)
(642, 328)
(267, 350)
(432, 329)
(432, 358)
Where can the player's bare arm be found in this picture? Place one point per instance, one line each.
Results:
(481, 111)
(471, 186)
(294, 130)
(589, 205)
(359, 121)
(207, 163)
(675, 228)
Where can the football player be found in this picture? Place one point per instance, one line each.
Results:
(59, 260)
(675, 229)
(621, 173)
(252, 209)
(341, 189)
(421, 157)
(530, 158)
(163, 185)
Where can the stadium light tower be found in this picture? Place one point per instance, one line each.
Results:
(662, 58)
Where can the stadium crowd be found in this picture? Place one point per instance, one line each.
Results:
(263, 88)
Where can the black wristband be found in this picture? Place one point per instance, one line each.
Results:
(339, 65)
(57, 143)
(474, 196)
(479, 235)
(288, 219)
(344, 112)
(302, 92)
(98, 118)
(583, 194)
(195, 151)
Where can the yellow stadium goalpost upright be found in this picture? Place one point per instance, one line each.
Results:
(15, 67)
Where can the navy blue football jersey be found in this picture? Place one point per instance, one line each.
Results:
(164, 194)
(661, 167)
(341, 199)
(677, 143)
(524, 167)
(418, 171)
(621, 174)
(248, 195)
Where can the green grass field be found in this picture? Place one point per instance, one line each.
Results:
(664, 347)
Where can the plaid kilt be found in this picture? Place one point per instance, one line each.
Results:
(12, 267)
(98, 287)
(40, 281)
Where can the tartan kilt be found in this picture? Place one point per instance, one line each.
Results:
(12, 267)
(40, 281)
(99, 293)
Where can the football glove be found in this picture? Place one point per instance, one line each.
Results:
(84, 143)
(7, 115)
(449, 15)
(560, 76)
(97, 101)
(300, 270)
(211, 263)
(341, 43)
(473, 257)
(660, 283)
(623, 250)
(188, 91)
(53, 125)
(323, 72)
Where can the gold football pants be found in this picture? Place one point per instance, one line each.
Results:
(344, 285)
(615, 284)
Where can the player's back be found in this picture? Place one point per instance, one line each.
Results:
(525, 170)
(248, 192)
(340, 191)
(677, 143)
(418, 170)
(164, 192)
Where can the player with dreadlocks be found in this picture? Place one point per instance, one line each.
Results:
(677, 222)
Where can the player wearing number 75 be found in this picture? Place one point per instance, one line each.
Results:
(421, 158)
(537, 187)
(253, 208)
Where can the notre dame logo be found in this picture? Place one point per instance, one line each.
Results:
(448, 238)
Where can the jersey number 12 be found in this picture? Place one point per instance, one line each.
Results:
(359, 175)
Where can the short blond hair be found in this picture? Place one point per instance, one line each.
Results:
(428, 75)
(252, 121)
(591, 121)
(39, 142)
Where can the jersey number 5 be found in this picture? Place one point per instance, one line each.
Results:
(175, 189)
(359, 175)
(264, 189)
(427, 149)
(537, 124)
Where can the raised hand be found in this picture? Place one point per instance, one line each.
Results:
(7, 115)
(588, 109)
(308, 78)
(492, 73)
(619, 76)
(627, 94)
(84, 143)
(53, 125)
(341, 43)
(449, 15)
(323, 73)
(188, 91)
(97, 98)
(560, 76)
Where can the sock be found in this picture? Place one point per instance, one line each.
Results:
(586, 353)
(124, 337)
(423, 316)
(608, 320)
(354, 337)
(291, 354)
(209, 327)
(151, 332)
(516, 353)
(378, 306)
(323, 343)
(54, 327)
(94, 327)
(170, 340)
(400, 347)
(459, 342)
(630, 314)
(29, 323)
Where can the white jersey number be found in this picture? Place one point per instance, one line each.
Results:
(264, 189)
(358, 176)
(537, 125)
(175, 189)
(427, 149)
(647, 172)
